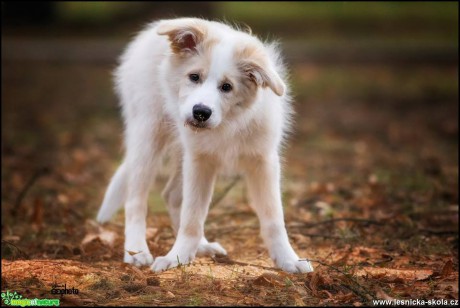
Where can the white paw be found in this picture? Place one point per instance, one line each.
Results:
(293, 265)
(210, 249)
(169, 261)
(138, 259)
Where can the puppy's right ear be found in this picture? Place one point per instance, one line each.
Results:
(184, 34)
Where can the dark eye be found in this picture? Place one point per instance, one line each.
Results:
(226, 87)
(194, 77)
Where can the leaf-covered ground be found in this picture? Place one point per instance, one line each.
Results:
(370, 193)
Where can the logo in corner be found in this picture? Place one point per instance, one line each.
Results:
(7, 297)
(15, 299)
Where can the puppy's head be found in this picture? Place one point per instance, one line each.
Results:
(217, 71)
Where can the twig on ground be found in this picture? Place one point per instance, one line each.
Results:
(40, 172)
(21, 252)
(225, 191)
(439, 232)
(328, 236)
(224, 230)
(227, 260)
(378, 223)
(358, 220)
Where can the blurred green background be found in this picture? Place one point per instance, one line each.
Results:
(378, 79)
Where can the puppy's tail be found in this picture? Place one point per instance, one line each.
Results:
(115, 195)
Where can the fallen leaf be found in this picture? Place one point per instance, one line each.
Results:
(151, 232)
(11, 238)
(132, 253)
(447, 269)
(342, 261)
(325, 209)
(382, 295)
(394, 275)
(344, 298)
(105, 236)
(269, 280)
(298, 300)
(138, 272)
(62, 198)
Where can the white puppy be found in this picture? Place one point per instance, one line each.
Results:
(214, 98)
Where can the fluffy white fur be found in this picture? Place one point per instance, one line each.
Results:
(244, 133)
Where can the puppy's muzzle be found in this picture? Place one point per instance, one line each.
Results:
(201, 113)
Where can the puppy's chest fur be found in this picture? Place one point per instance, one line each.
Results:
(229, 146)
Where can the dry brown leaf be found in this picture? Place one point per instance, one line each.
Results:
(326, 294)
(11, 238)
(382, 294)
(138, 272)
(269, 280)
(342, 261)
(151, 232)
(298, 300)
(316, 283)
(132, 253)
(447, 269)
(344, 298)
(394, 275)
(105, 236)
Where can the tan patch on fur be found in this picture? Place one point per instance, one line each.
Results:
(252, 52)
(246, 93)
(251, 59)
(184, 38)
(253, 62)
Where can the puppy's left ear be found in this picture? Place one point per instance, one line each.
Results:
(264, 76)
(184, 34)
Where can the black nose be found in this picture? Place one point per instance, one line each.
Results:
(201, 112)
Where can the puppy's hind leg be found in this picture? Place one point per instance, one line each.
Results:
(172, 194)
(115, 195)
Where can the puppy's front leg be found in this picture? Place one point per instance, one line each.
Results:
(263, 180)
(199, 173)
(142, 161)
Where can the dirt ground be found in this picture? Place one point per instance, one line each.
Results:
(370, 193)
